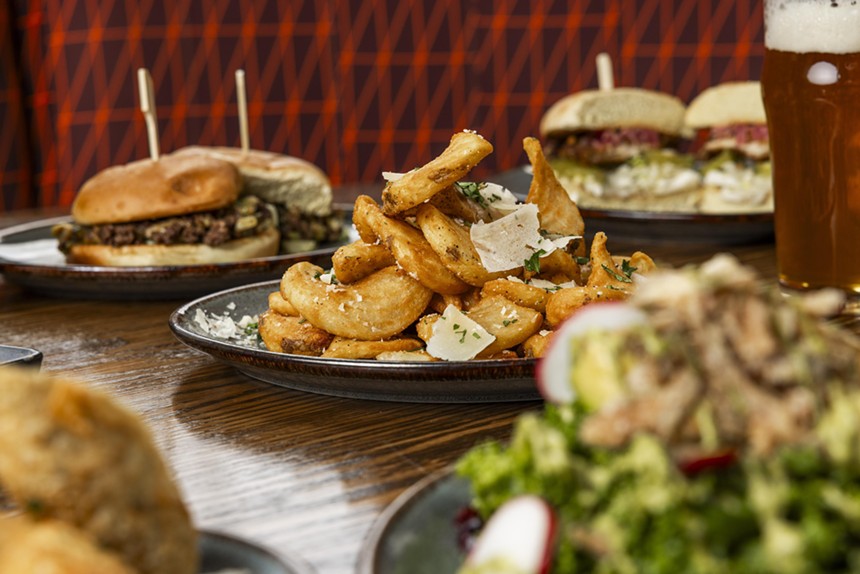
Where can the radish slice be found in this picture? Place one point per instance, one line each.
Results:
(520, 534)
(553, 370)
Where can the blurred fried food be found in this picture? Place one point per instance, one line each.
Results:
(52, 547)
(72, 454)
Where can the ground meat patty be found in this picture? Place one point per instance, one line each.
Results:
(73, 454)
(245, 218)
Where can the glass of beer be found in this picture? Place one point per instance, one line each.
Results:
(811, 89)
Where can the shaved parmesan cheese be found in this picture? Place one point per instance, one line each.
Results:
(499, 200)
(504, 244)
(392, 175)
(456, 337)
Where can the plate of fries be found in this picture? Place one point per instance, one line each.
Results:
(451, 292)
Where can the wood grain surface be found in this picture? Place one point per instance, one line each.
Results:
(303, 474)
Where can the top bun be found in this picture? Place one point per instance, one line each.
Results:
(148, 189)
(275, 178)
(617, 108)
(727, 104)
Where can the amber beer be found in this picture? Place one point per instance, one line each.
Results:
(811, 88)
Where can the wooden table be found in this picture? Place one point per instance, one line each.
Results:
(303, 474)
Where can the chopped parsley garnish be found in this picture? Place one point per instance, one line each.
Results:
(251, 328)
(507, 322)
(461, 332)
(472, 191)
(582, 260)
(627, 269)
(533, 263)
(616, 275)
(476, 335)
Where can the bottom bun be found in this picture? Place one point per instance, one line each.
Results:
(263, 245)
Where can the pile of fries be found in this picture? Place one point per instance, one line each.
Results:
(428, 280)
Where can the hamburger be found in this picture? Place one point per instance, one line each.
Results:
(177, 210)
(732, 145)
(618, 149)
(300, 192)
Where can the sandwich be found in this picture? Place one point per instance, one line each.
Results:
(618, 149)
(300, 192)
(177, 210)
(732, 146)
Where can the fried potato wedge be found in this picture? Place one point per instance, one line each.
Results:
(535, 346)
(292, 334)
(453, 245)
(406, 356)
(453, 203)
(424, 326)
(440, 302)
(558, 212)
(510, 323)
(604, 270)
(410, 249)
(343, 348)
(563, 303)
(279, 305)
(465, 151)
(359, 259)
(559, 262)
(518, 292)
(377, 307)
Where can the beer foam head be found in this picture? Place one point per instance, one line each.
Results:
(829, 26)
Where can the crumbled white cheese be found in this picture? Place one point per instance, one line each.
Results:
(739, 184)
(231, 306)
(456, 337)
(504, 244)
(227, 328)
(657, 178)
(327, 277)
(392, 176)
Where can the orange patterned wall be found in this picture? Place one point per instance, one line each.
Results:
(356, 87)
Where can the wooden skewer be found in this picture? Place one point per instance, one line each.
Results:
(243, 111)
(605, 77)
(147, 106)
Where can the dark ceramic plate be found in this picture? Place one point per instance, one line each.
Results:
(417, 533)
(219, 552)
(19, 356)
(29, 257)
(660, 226)
(436, 382)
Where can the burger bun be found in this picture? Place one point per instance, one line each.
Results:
(264, 244)
(275, 178)
(153, 189)
(727, 104)
(618, 108)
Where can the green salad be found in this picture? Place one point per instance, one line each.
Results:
(721, 435)
(634, 511)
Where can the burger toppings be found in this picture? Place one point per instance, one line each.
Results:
(245, 218)
(607, 146)
(751, 140)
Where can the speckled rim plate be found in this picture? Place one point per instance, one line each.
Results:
(434, 382)
(58, 279)
(660, 226)
(417, 534)
(220, 551)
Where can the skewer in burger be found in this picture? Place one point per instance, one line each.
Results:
(732, 144)
(177, 210)
(617, 149)
(300, 192)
